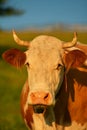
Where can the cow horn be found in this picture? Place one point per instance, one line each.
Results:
(19, 41)
(72, 43)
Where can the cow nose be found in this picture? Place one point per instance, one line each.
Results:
(40, 98)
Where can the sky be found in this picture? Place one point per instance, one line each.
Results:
(45, 12)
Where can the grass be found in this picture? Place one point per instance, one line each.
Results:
(12, 79)
(10, 89)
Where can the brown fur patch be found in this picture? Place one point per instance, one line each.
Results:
(15, 57)
(29, 112)
(77, 80)
(72, 105)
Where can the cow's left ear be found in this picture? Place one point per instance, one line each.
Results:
(74, 58)
(15, 57)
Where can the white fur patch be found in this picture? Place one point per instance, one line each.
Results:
(40, 123)
(74, 126)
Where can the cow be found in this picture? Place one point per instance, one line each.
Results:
(54, 96)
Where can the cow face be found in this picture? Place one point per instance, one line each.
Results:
(45, 69)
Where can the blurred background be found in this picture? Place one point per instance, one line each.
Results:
(30, 18)
(26, 14)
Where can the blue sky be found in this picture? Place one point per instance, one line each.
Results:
(42, 12)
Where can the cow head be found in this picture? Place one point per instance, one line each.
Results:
(46, 59)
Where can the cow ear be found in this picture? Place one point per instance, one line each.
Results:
(75, 58)
(15, 57)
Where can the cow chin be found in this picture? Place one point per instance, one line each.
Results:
(39, 108)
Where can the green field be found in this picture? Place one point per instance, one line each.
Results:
(12, 79)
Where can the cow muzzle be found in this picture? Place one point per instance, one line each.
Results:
(40, 97)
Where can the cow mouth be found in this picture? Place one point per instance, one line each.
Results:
(39, 108)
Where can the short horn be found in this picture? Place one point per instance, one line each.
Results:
(72, 43)
(19, 41)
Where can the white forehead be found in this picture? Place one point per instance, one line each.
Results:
(44, 47)
(47, 41)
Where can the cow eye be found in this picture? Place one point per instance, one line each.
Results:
(27, 64)
(59, 66)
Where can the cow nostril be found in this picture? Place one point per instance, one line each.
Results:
(33, 95)
(46, 96)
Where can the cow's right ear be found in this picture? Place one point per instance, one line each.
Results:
(15, 57)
